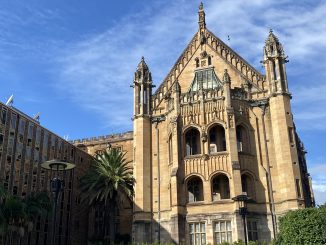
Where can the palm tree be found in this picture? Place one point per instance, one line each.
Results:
(108, 179)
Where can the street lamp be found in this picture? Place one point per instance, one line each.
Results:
(56, 184)
(242, 201)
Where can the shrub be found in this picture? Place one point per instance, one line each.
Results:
(304, 226)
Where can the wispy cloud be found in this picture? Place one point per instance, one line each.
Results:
(317, 172)
(96, 72)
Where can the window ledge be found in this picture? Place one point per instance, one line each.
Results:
(245, 153)
(223, 201)
(195, 203)
(193, 156)
(219, 153)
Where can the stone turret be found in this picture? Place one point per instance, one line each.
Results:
(142, 211)
(274, 60)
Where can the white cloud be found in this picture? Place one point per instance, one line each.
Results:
(97, 71)
(317, 171)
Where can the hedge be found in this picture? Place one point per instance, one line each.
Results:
(304, 226)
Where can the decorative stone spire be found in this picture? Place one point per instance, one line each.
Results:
(142, 73)
(201, 17)
(273, 47)
(274, 61)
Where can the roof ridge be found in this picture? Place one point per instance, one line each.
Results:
(194, 38)
(235, 53)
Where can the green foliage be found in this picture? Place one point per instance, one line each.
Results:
(109, 176)
(19, 214)
(304, 226)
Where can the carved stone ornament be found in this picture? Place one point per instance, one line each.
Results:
(214, 112)
(235, 165)
(238, 93)
(204, 137)
(230, 120)
(203, 55)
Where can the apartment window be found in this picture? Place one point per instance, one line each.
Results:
(1, 139)
(222, 231)
(3, 116)
(197, 232)
(13, 121)
(297, 184)
(252, 230)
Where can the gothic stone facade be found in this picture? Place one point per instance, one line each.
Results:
(215, 128)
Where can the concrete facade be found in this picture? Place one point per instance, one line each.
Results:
(24, 145)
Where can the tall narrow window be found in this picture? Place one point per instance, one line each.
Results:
(209, 60)
(242, 139)
(170, 149)
(192, 142)
(220, 187)
(290, 129)
(3, 116)
(197, 233)
(297, 184)
(195, 190)
(252, 230)
(248, 185)
(222, 232)
(197, 62)
(217, 141)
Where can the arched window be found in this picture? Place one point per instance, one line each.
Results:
(197, 62)
(220, 187)
(242, 139)
(209, 60)
(195, 190)
(170, 149)
(192, 142)
(248, 185)
(217, 141)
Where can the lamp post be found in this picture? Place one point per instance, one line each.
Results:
(56, 184)
(242, 201)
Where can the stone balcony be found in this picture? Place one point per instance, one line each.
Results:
(206, 164)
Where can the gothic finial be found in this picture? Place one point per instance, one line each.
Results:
(201, 6)
(272, 45)
(201, 15)
(142, 64)
(226, 77)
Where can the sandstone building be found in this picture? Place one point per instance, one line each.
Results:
(215, 128)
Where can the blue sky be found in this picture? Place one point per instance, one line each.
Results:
(73, 61)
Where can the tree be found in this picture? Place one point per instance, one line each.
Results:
(304, 226)
(108, 179)
(37, 205)
(19, 214)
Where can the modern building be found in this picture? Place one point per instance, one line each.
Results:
(24, 145)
